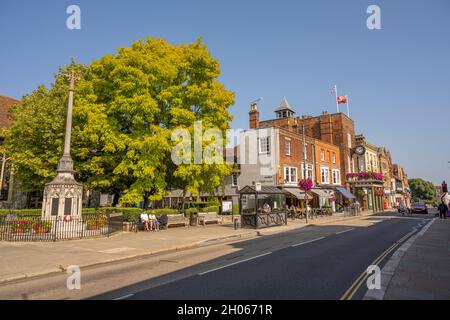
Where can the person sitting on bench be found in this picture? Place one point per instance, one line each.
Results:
(145, 220)
(154, 223)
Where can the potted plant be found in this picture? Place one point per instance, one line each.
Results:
(95, 223)
(42, 226)
(22, 226)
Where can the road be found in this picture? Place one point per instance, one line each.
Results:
(316, 262)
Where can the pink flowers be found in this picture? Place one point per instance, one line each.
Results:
(351, 175)
(377, 176)
(365, 175)
(306, 184)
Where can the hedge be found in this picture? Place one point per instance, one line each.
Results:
(190, 211)
(210, 209)
(133, 215)
(21, 213)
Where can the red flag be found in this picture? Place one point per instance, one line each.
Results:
(342, 99)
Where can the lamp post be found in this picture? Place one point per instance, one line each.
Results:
(304, 170)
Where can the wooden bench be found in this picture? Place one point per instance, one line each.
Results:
(176, 220)
(205, 217)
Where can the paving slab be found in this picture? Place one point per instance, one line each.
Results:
(423, 273)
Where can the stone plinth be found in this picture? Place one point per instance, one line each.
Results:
(63, 195)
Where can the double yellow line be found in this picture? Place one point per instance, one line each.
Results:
(348, 295)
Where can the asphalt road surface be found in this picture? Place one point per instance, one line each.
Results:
(284, 267)
(315, 262)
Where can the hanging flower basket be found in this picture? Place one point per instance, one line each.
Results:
(306, 184)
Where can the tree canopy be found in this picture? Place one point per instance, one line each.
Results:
(126, 107)
(422, 190)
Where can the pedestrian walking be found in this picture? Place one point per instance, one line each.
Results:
(442, 208)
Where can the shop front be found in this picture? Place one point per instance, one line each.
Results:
(369, 193)
(262, 206)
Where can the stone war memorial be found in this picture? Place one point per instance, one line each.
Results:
(63, 195)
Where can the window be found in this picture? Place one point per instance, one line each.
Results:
(264, 145)
(287, 146)
(234, 180)
(325, 175)
(305, 153)
(309, 171)
(336, 176)
(290, 174)
(322, 155)
(349, 140)
(333, 157)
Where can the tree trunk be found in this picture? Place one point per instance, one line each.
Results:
(116, 198)
(146, 201)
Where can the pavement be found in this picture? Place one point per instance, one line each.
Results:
(420, 269)
(24, 260)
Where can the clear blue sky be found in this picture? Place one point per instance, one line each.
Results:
(397, 78)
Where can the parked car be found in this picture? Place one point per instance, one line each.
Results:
(419, 207)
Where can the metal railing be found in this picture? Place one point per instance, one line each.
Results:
(35, 228)
(352, 210)
(313, 213)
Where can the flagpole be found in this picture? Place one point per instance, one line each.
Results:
(337, 103)
(348, 109)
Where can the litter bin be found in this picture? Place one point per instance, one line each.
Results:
(193, 219)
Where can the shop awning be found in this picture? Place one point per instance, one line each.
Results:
(296, 192)
(321, 193)
(345, 193)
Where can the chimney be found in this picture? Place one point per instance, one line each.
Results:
(253, 116)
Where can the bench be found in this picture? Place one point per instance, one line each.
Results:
(205, 217)
(176, 220)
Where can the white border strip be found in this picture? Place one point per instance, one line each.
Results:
(124, 297)
(234, 263)
(344, 231)
(309, 241)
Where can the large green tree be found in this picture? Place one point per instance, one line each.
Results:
(422, 190)
(126, 107)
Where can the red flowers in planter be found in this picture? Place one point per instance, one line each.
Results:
(352, 175)
(306, 184)
(365, 175)
(377, 176)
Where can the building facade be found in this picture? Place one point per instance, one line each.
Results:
(385, 159)
(281, 158)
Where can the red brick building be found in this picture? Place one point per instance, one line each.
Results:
(334, 129)
(325, 136)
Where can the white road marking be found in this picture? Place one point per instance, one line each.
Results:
(124, 297)
(309, 241)
(234, 263)
(344, 231)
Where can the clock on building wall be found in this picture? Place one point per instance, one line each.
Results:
(360, 150)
